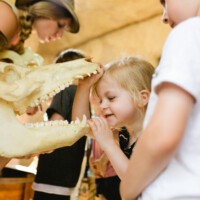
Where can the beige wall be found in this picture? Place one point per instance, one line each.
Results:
(110, 28)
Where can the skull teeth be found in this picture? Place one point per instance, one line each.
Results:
(82, 122)
(50, 95)
(79, 77)
(62, 86)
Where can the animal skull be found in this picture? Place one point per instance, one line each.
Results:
(27, 86)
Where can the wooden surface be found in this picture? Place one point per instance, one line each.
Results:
(16, 188)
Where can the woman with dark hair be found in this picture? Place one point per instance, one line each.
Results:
(48, 18)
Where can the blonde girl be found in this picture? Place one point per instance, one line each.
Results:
(123, 93)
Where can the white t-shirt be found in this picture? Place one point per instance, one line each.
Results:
(180, 65)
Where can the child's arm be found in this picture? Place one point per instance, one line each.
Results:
(81, 100)
(159, 141)
(105, 138)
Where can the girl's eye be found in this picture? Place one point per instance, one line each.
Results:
(111, 98)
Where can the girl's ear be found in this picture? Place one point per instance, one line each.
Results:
(144, 94)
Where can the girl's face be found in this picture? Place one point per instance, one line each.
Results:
(116, 104)
(49, 30)
(176, 11)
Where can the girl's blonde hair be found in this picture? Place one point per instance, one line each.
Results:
(43, 9)
(131, 73)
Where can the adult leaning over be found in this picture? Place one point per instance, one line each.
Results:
(47, 18)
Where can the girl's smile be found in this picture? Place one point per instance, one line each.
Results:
(116, 104)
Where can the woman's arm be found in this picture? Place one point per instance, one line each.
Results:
(159, 141)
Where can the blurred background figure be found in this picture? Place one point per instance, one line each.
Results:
(58, 172)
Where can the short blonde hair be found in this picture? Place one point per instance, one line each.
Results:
(131, 73)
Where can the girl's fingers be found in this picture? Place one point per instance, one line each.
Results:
(93, 125)
(104, 121)
(99, 121)
(99, 126)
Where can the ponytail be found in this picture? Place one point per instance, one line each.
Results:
(26, 22)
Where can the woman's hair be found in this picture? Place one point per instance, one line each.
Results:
(162, 2)
(42, 9)
(131, 73)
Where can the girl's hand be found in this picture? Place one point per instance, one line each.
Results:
(91, 80)
(102, 132)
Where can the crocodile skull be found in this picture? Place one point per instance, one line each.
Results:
(22, 87)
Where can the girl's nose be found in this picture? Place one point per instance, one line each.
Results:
(165, 17)
(103, 105)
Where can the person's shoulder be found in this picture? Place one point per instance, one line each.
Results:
(5, 7)
(9, 17)
(191, 22)
(6, 11)
(188, 25)
(187, 30)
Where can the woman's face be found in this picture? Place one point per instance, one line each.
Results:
(49, 30)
